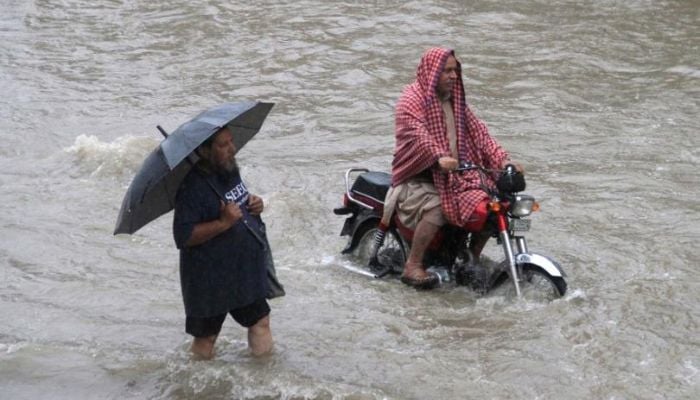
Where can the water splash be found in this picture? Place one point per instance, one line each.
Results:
(102, 159)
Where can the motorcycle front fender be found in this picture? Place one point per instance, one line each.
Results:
(550, 266)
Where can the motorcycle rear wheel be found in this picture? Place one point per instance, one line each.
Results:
(537, 285)
(392, 253)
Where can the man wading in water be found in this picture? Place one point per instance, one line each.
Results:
(222, 263)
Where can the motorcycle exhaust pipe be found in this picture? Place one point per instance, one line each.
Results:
(359, 271)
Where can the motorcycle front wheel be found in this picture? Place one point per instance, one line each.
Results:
(391, 255)
(536, 285)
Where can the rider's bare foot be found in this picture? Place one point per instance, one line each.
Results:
(414, 275)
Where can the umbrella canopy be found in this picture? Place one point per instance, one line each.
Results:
(153, 189)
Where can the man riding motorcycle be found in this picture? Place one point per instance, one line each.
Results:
(435, 131)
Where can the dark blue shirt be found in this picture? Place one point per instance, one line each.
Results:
(228, 271)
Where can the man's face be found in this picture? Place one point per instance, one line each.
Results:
(223, 151)
(448, 77)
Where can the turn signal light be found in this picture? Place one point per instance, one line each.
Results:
(535, 206)
(495, 206)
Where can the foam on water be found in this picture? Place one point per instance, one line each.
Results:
(119, 158)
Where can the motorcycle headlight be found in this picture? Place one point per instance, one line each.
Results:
(523, 206)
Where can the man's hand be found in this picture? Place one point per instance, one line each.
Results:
(255, 205)
(230, 214)
(448, 164)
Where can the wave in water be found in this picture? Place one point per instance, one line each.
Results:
(119, 158)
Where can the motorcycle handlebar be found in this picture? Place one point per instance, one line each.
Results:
(467, 166)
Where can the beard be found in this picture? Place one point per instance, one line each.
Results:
(228, 166)
(444, 94)
(219, 167)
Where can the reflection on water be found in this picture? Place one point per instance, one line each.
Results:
(597, 100)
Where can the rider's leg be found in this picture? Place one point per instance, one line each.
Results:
(423, 235)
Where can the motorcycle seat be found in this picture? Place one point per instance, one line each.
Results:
(372, 184)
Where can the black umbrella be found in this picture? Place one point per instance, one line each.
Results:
(152, 191)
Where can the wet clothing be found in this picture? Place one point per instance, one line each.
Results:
(422, 139)
(228, 271)
(417, 198)
(414, 200)
(246, 316)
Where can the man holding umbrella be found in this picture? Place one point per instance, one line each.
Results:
(222, 262)
(226, 264)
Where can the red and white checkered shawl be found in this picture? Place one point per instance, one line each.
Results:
(421, 139)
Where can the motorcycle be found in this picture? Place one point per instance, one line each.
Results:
(532, 275)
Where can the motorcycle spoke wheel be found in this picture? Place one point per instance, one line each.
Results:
(390, 255)
(537, 285)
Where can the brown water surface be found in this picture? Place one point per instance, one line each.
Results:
(599, 100)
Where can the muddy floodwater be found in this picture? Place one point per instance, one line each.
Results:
(598, 100)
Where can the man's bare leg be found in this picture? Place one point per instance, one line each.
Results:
(424, 234)
(260, 337)
(203, 347)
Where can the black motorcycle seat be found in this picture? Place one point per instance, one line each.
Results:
(373, 184)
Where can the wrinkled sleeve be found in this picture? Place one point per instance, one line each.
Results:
(492, 154)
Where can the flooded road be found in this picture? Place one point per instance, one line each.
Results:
(598, 100)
